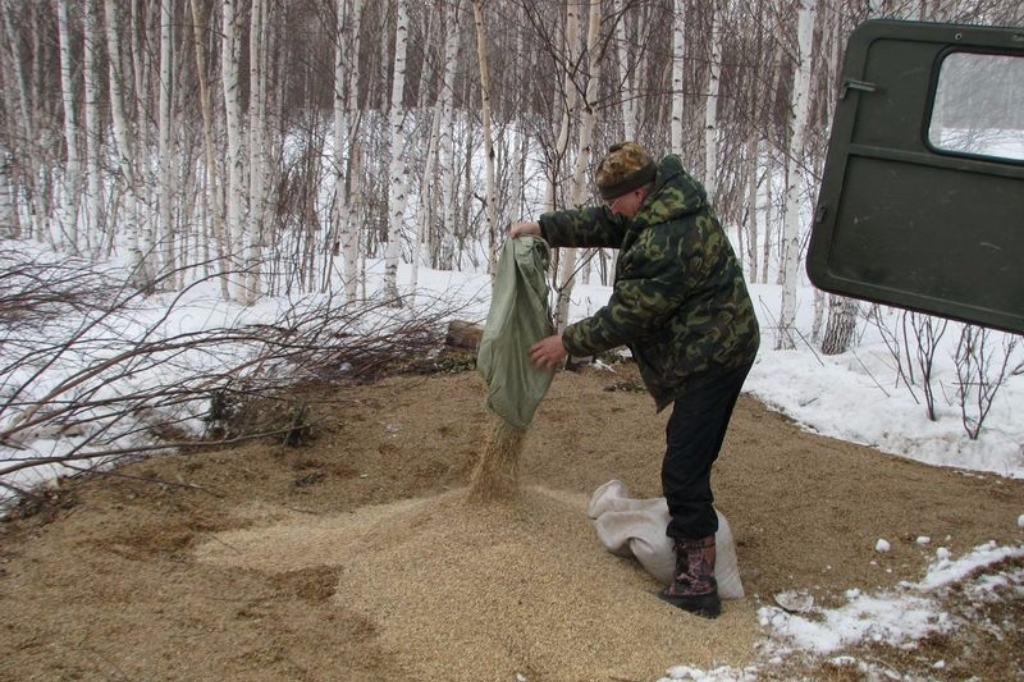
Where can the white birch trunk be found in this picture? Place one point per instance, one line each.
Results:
(234, 211)
(751, 175)
(678, 70)
(353, 257)
(427, 207)
(350, 228)
(628, 96)
(800, 108)
(841, 329)
(774, 235)
(833, 64)
(8, 218)
(141, 55)
(140, 52)
(73, 172)
(168, 186)
(257, 149)
(398, 172)
(448, 178)
(583, 157)
(332, 246)
(213, 196)
(123, 145)
(466, 180)
(818, 315)
(95, 222)
(769, 216)
(490, 207)
(842, 312)
(572, 49)
(28, 128)
(429, 198)
(711, 107)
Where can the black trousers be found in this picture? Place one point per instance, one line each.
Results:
(694, 436)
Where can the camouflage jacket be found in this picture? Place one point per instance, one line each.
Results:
(679, 300)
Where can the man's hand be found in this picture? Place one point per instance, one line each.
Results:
(524, 227)
(548, 353)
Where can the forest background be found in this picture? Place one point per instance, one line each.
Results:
(278, 147)
(283, 143)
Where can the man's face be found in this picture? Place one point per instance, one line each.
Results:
(627, 204)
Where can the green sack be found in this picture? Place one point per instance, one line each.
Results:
(518, 318)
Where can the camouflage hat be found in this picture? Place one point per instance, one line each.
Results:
(626, 167)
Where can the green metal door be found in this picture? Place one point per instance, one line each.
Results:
(922, 200)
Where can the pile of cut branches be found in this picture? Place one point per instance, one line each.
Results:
(92, 373)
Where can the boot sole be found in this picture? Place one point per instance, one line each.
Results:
(709, 606)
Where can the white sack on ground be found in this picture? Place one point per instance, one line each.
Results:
(628, 527)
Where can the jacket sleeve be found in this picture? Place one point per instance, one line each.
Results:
(655, 277)
(594, 227)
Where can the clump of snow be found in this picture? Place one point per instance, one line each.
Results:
(899, 618)
(946, 570)
(724, 674)
(894, 619)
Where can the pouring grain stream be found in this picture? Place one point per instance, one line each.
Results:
(496, 476)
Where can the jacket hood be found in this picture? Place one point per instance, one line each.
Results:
(675, 194)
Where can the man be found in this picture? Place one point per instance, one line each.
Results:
(680, 303)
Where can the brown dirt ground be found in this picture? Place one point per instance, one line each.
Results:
(355, 557)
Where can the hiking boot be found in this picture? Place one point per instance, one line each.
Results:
(693, 587)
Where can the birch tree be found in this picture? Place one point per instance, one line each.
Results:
(123, 148)
(213, 195)
(448, 177)
(626, 74)
(427, 208)
(72, 169)
(257, 148)
(753, 176)
(490, 207)
(26, 126)
(234, 212)
(398, 172)
(91, 65)
(572, 49)
(350, 230)
(339, 239)
(169, 190)
(678, 75)
(8, 218)
(340, 141)
(711, 105)
(437, 170)
(140, 51)
(795, 172)
(842, 311)
(583, 155)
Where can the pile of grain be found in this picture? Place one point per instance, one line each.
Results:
(491, 591)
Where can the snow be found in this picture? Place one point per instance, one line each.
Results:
(854, 397)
